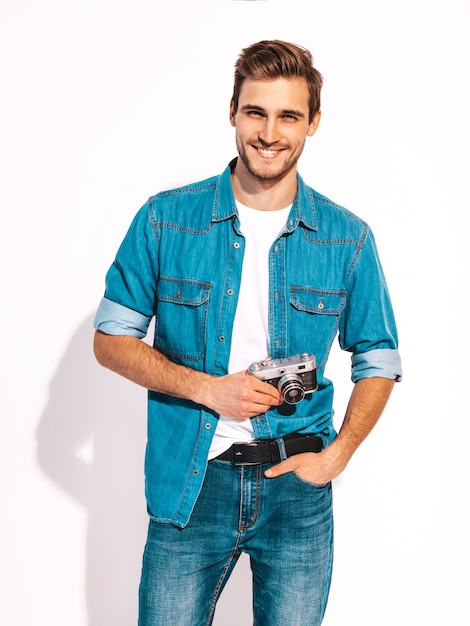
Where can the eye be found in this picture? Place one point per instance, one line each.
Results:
(289, 117)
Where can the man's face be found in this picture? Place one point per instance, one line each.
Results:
(271, 126)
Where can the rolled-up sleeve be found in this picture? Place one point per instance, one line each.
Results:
(385, 363)
(115, 319)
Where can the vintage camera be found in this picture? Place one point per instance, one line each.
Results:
(294, 376)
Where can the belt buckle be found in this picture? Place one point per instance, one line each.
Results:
(241, 450)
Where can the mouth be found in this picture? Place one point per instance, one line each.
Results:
(268, 153)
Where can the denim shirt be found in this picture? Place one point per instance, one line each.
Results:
(181, 261)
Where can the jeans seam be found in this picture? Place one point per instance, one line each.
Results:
(242, 527)
(217, 590)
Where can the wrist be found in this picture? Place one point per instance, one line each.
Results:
(200, 388)
(338, 456)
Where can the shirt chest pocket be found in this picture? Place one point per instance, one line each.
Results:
(314, 319)
(181, 318)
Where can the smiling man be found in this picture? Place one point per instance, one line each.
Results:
(242, 450)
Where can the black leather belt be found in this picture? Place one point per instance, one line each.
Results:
(269, 450)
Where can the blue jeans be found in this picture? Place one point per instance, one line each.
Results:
(284, 524)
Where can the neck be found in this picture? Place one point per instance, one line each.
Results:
(263, 195)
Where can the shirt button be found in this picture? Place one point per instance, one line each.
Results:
(230, 292)
(221, 338)
(207, 426)
(236, 245)
(195, 472)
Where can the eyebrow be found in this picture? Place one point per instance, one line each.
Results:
(255, 107)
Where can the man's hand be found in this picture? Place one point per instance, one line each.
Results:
(239, 395)
(314, 467)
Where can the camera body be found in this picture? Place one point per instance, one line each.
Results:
(294, 376)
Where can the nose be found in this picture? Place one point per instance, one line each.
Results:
(269, 133)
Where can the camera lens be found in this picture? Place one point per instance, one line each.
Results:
(291, 388)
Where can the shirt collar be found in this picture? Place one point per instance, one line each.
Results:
(303, 208)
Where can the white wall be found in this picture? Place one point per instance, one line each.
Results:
(104, 102)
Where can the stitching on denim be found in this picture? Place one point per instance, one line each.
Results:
(218, 589)
(199, 307)
(325, 293)
(365, 234)
(210, 184)
(242, 527)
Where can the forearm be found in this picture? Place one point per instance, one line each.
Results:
(237, 395)
(137, 361)
(366, 404)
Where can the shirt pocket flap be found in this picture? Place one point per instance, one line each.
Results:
(183, 291)
(320, 301)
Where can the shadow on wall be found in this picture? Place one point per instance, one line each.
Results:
(91, 442)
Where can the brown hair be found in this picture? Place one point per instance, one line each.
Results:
(266, 60)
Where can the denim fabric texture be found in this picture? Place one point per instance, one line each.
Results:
(284, 525)
(181, 261)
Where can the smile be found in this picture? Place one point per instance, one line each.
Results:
(267, 153)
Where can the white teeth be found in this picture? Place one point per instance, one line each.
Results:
(267, 152)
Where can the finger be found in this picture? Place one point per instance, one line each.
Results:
(261, 393)
(284, 467)
(265, 389)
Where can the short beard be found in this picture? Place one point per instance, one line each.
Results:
(267, 177)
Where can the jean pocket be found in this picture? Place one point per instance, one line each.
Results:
(308, 483)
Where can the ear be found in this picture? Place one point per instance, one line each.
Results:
(312, 128)
(232, 113)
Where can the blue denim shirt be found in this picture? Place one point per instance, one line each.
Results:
(181, 261)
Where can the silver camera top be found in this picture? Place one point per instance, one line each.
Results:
(288, 365)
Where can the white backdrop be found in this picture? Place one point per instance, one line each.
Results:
(105, 102)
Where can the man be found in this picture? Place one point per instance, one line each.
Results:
(238, 267)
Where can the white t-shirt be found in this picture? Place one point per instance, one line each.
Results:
(250, 335)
